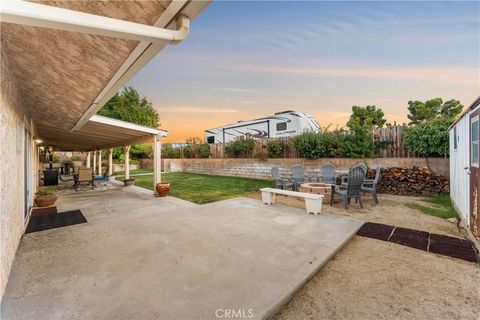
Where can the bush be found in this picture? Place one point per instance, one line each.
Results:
(261, 156)
(204, 150)
(168, 152)
(328, 144)
(359, 145)
(429, 138)
(275, 148)
(188, 152)
(75, 158)
(45, 192)
(241, 148)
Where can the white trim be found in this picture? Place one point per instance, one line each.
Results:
(140, 56)
(45, 16)
(126, 125)
(470, 144)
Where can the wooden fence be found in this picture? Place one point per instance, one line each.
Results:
(394, 134)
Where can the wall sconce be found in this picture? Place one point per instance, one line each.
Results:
(38, 140)
(50, 149)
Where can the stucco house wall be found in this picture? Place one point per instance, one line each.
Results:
(13, 122)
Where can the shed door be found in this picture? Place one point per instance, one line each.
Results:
(475, 173)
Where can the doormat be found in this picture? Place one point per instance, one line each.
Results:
(56, 220)
(44, 211)
(422, 240)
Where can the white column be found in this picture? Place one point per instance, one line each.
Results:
(99, 162)
(88, 159)
(110, 162)
(126, 164)
(94, 161)
(157, 162)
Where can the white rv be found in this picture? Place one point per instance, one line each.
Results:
(282, 124)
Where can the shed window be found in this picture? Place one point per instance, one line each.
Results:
(282, 126)
(474, 138)
(211, 139)
(455, 138)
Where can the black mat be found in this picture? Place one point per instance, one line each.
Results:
(422, 240)
(453, 247)
(411, 238)
(55, 220)
(376, 231)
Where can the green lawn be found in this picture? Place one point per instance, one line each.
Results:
(438, 206)
(202, 188)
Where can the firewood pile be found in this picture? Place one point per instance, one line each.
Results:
(413, 181)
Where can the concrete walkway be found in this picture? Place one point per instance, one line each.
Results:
(140, 257)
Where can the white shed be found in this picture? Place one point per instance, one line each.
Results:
(464, 167)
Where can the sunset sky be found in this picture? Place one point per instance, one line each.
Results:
(249, 59)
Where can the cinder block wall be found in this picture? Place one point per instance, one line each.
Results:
(253, 168)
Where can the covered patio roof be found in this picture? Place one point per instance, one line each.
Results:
(98, 133)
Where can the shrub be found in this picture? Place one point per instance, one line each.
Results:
(261, 156)
(275, 148)
(429, 138)
(75, 158)
(170, 152)
(204, 150)
(188, 152)
(359, 145)
(241, 148)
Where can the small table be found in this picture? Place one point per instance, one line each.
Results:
(318, 188)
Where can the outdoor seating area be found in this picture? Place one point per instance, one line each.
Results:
(353, 183)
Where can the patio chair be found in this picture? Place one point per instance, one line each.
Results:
(370, 185)
(85, 176)
(327, 174)
(352, 188)
(361, 165)
(279, 182)
(298, 176)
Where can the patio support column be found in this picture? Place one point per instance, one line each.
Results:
(99, 162)
(157, 162)
(126, 164)
(88, 159)
(110, 161)
(94, 161)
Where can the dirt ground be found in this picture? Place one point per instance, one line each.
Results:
(372, 279)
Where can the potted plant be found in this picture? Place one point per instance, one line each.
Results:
(162, 188)
(77, 161)
(129, 182)
(45, 197)
(68, 164)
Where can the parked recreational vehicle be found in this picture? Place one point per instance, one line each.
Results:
(282, 124)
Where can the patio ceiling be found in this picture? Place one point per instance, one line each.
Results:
(64, 77)
(98, 133)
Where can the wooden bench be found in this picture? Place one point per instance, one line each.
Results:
(313, 202)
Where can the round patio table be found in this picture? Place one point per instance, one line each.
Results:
(318, 188)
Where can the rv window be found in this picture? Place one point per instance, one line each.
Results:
(281, 126)
(475, 138)
(211, 139)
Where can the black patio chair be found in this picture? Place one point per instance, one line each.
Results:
(279, 182)
(327, 174)
(352, 188)
(298, 176)
(370, 185)
(361, 165)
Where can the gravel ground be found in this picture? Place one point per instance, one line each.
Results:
(372, 279)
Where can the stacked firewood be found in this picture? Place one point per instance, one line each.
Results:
(412, 181)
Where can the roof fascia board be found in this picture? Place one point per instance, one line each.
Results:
(126, 125)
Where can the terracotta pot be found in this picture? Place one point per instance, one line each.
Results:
(129, 182)
(162, 189)
(45, 201)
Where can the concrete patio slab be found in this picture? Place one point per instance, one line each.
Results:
(146, 258)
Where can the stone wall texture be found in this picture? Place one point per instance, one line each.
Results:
(253, 168)
(11, 170)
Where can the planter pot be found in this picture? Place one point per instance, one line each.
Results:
(111, 178)
(129, 182)
(45, 201)
(162, 189)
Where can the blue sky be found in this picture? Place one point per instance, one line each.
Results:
(249, 59)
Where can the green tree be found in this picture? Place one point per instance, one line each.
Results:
(366, 118)
(431, 109)
(429, 138)
(129, 106)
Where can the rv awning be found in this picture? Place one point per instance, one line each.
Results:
(98, 133)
